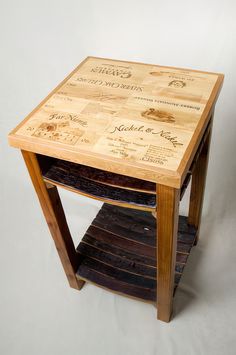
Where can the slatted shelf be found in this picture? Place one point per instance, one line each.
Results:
(108, 187)
(78, 178)
(118, 251)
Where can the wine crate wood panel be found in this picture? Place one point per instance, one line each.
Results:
(118, 251)
(134, 119)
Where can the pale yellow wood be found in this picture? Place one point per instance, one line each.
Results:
(136, 119)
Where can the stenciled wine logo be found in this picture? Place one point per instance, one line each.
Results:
(177, 84)
(158, 115)
(111, 70)
(61, 132)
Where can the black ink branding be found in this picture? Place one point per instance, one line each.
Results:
(111, 84)
(169, 103)
(70, 117)
(164, 134)
(177, 76)
(112, 71)
(167, 135)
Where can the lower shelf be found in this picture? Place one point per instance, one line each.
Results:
(118, 251)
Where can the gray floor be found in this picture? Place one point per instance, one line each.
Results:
(41, 42)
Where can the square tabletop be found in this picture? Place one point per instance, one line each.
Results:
(135, 119)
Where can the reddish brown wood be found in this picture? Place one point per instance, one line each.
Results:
(198, 184)
(55, 217)
(167, 222)
(119, 257)
(101, 184)
(71, 175)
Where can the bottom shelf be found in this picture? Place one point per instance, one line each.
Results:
(118, 251)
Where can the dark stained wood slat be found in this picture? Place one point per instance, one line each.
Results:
(134, 258)
(179, 268)
(181, 258)
(122, 282)
(106, 178)
(119, 262)
(131, 230)
(120, 232)
(135, 215)
(121, 275)
(125, 261)
(88, 274)
(183, 247)
(142, 230)
(121, 242)
(185, 228)
(144, 217)
(116, 261)
(122, 252)
(117, 180)
(100, 184)
(67, 174)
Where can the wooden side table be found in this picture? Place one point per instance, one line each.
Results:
(131, 135)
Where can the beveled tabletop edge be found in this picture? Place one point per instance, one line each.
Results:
(148, 173)
(154, 174)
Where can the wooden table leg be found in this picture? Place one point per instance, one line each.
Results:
(55, 217)
(198, 186)
(167, 227)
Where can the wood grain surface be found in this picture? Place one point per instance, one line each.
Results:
(108, 187)
(198, 182)
(167, 231)
(118, 252)
(54, 214)
(134, 119)
(71, 176)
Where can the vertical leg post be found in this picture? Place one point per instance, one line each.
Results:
(167, 227)
(198, 185)
(54, 214)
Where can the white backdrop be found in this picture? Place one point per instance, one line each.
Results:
(41, 42)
